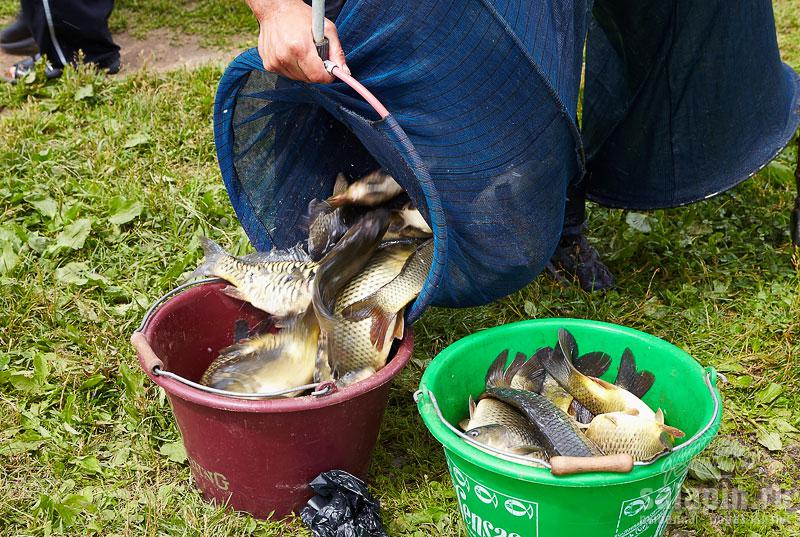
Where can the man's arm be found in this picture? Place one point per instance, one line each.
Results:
(286, 45)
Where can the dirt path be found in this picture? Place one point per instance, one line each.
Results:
(161, 50)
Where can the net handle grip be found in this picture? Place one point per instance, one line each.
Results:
(357, 86)
(620, 464)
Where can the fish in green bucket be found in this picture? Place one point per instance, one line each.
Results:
(497, 497)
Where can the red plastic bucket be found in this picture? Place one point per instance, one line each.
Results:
(256, 455)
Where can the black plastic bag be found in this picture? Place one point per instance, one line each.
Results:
(343, 507)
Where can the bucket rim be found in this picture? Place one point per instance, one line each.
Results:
(393, 366)
(456, 447)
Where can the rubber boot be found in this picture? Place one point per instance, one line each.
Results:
(574, 257)
(16, 38)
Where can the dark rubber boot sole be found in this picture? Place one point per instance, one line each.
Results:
(25, 47)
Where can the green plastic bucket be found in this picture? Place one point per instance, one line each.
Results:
(499, 498)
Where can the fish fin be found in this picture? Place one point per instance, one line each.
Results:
(364, 308)
(525, 449)
(514, 367)
(400, 326)
(495, 376)
(464, 424)
(568, 344)
(380, 326)
(638, 383)
(341, 184)
(531, 375)
(233, 292)
(294, 253)
(339, 200)
(559, 366)
(612, 419)
(212, 252)
(241, 330)
(593, 364)
(604, 383)
(472, 406)
(666, 440)
(582, 414)
(660, 417)
(672, 431)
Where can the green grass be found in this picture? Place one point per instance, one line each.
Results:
(215, 22)
(106, 185)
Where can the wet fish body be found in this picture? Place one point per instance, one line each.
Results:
(268, 281)
(344, 262)
(326, 228)
(371, 190)
(383, 305)
(627, 432)
(500, 426)
(556, 432)
(269, 362)
(598, 396)
(407, 222)
(350, 344)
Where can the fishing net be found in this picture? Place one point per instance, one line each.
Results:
(483, 133)
(683, 100)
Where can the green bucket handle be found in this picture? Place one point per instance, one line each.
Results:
(711, 383)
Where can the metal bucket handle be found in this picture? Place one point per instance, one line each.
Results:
(155, 365)
(527, 460)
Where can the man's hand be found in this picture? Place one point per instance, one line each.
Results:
(286, 45)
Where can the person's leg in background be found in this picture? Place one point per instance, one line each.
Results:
(574, 257)
(16, 38)
(62, 28)
(795, 214)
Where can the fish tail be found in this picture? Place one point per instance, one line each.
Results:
(628, 378)
(559, 366)
(593, 364)
(381, 322)
(212, 252)
(496, 375)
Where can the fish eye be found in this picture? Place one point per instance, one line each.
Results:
(473, 433)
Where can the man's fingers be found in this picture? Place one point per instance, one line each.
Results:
(335, 47)
(291, 69)
(313, 68)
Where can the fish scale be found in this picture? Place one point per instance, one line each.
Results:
(400, 291)
(618, 432)
(491, 411)
(351, 348)
(555, 430)
(282, 288)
